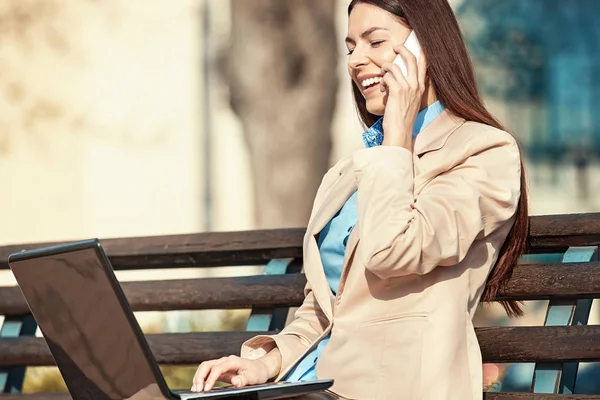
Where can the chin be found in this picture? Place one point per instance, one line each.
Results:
(376, 106)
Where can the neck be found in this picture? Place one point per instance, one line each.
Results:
(429, 97)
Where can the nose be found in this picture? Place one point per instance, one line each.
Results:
(357, 60)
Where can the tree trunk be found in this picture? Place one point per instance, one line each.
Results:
(283, 84)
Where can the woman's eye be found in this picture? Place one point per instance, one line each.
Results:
(376, 43)
(350, 52)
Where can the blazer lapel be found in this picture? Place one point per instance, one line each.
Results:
(353, 240)
(435, 135)
(339, 192)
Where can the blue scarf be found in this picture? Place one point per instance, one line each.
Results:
(374, 135)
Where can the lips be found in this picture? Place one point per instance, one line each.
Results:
(368, 83)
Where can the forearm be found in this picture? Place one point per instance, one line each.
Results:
(278, 353)
(402, 234)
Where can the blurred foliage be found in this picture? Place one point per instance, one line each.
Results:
(178, 377)
(43, 380)
(523, 35)
(492, 376)
(544, 54)
(49, 379)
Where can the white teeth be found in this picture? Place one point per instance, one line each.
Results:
(370, 81)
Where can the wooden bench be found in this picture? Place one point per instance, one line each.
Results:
(562, 266)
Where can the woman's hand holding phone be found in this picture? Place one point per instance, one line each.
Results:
(403, 97)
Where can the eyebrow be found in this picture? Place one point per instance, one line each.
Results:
(366, 33)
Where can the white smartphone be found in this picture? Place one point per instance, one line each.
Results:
(414, 46)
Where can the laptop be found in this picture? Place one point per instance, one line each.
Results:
(94, 337)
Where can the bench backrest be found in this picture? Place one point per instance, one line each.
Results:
(562, 267)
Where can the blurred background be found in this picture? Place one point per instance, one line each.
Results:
(129, 118)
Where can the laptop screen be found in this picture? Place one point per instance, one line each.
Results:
(92, 336)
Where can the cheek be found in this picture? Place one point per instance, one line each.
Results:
(382, 53)
(387, 56)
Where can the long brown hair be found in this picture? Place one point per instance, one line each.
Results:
(451, 73)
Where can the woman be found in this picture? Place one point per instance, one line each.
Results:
(407, 235)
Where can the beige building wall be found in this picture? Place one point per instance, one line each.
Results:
(100, 121)
(102, 132)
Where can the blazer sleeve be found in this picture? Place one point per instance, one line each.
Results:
(309, 320)
(308, 325)
(401, 234)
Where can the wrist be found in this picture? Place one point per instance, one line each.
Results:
(272, 363)
(400, 137)
(398, 142)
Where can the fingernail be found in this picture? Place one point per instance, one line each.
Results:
(193, 389)
(206, 387)
(236, 381)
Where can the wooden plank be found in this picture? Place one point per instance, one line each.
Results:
(498, 344)
(193, 294)
(550, 233)
(540, 343)
(556, 233)
(196, 250)
(545, 281)
(529, 282)
(171, 348)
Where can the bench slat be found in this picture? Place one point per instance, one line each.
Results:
(193, 294)
(529, 282)
(545, 281)
(548, 233)
(498, 344)
(540, 343)
(171, 348)
(196, 250)
(554, 233)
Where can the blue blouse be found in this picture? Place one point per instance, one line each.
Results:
(334, 237)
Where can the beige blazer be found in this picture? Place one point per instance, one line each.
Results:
(430, 226)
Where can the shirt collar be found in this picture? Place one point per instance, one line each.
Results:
(374, 135)
(424, 117)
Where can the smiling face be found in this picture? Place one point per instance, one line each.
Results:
(372, 35)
